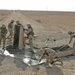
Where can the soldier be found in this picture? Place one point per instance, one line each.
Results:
(72, 35)
(10, 28)
(74, 45)
(18, 23)
(50, 56)
(3, 32)
(30, 35)
(0, 37)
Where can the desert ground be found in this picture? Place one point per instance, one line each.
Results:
(46, 24)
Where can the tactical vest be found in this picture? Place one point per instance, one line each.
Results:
(10, 25)
(3, 30)
(30, 33)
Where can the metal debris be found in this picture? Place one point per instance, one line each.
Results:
(27, 59)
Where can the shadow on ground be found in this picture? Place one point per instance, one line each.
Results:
(2, 57)
(36, 68)
(20, 64)
(54, 70)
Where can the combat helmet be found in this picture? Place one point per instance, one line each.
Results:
(70, 32)
(29, 25)
(12, 21)
(3, 26)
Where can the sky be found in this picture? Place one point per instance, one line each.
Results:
(43, 5)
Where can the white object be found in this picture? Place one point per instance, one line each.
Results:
(6, 53)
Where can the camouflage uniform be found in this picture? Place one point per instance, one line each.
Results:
(0, 36)
(18, 23)
(3, 32)
(50, 56)
(74, 46)
(30, 35)
(10, 28)
(72, 35)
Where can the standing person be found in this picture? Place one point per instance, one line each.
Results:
(74, 46)
(30, 35)
(0, 37)
(72, 35)
(18, 23)
(3, 32)
(10, 28)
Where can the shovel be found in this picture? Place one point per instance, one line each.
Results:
(62, 47)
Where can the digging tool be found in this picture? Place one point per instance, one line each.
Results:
(62, 47)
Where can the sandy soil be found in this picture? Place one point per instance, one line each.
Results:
(11, 66)
(53, 25)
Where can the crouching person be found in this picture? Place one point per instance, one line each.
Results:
(50, 57)
(3, 32)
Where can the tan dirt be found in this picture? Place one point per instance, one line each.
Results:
(53, 25)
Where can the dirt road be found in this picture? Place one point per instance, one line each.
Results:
(55, 28)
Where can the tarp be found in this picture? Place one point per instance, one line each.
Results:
(28, 58)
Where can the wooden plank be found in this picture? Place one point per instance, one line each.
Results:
(65, 53)
(21, 38)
